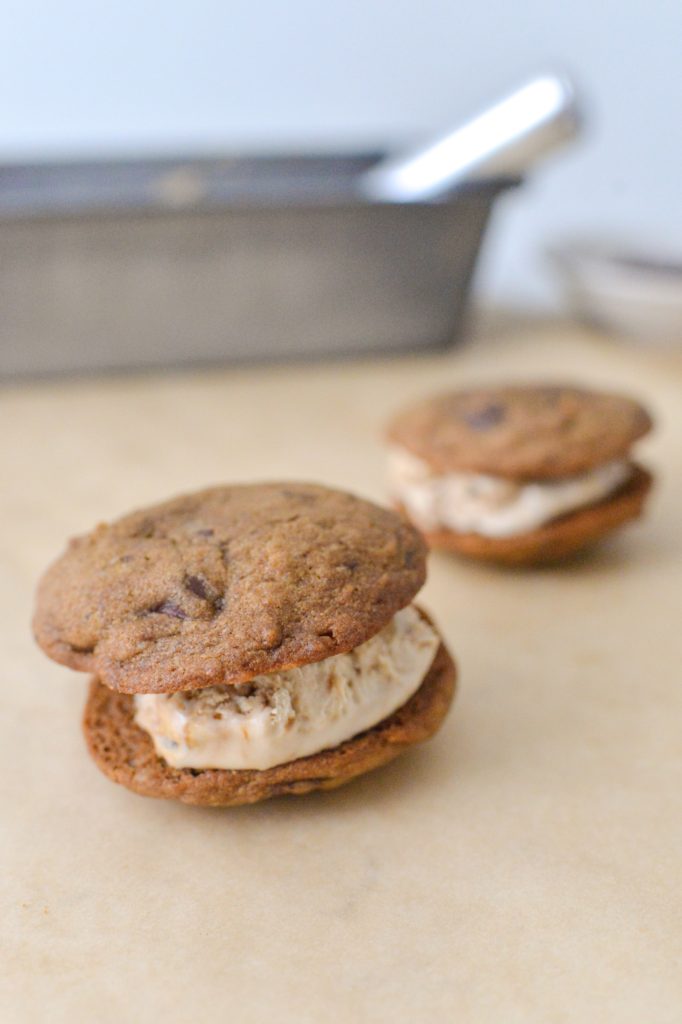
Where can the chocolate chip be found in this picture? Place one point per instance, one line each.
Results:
(81, 650)
(486, 417)
(169, 608)
(197, 586)
(206, 532)
(244, 689)
(301, 496)
(351, 564)
(144, 529)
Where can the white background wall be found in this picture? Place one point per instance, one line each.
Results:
(82, 78)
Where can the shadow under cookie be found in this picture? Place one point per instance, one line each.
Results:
(125, 753)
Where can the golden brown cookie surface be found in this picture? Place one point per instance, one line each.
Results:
(520, 432)
(555, 540)
(225, 584)
(125, 753)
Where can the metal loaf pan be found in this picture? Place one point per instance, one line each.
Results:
(162, 262)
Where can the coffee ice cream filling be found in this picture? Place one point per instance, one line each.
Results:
(493, 506)
(283, 716)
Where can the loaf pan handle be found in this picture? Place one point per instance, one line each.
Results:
(503, 141)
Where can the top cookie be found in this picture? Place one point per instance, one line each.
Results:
(225, 584)
(532, 432)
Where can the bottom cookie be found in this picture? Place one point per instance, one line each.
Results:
(556, 540)
(125, 753)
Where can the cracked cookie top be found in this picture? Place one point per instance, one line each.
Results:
(226, 584)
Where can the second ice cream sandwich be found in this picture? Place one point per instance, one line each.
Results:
(519, 474)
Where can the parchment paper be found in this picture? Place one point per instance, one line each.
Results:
(525, 866)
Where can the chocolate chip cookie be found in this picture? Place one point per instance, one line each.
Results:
(226, 584)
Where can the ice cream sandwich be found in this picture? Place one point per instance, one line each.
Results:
(518, 475)
(248, 641)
